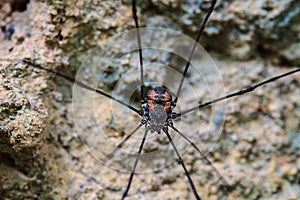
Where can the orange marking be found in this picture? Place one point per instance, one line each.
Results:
(167, 106)
(152, 94)
(150, 104)
(167, 96)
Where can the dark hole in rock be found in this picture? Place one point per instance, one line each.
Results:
(3, 29)
(6, 159)
(18, 5)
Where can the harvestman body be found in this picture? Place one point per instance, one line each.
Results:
(158, 109)
(158, 104)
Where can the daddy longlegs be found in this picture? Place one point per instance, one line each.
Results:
(156, 106)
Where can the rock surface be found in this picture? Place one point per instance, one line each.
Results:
(46, 154)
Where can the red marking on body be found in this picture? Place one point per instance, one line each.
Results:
(153, 97)
(152, 94)
(167, 96)
(167, 106)
(150, 104)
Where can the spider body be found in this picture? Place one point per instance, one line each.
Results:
(158, 108)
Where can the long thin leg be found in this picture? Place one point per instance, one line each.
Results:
(108, 157)
(240, 92)
(135, 164)
(72, 80)
(202, 26)
(205, 158)
(120, 145)
(134, 15)
(183, 165)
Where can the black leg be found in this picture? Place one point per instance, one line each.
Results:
(204, 157)
(135, 164)
(240, 92)
(134, 15)
(107, 159)
(72, 80)
(120, 145)
(183, 165)
(202, 26)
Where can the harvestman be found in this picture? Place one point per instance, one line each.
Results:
(157, 107)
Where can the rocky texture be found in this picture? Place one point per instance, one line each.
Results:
(243, 29)
(26, 170)
(44, 156)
